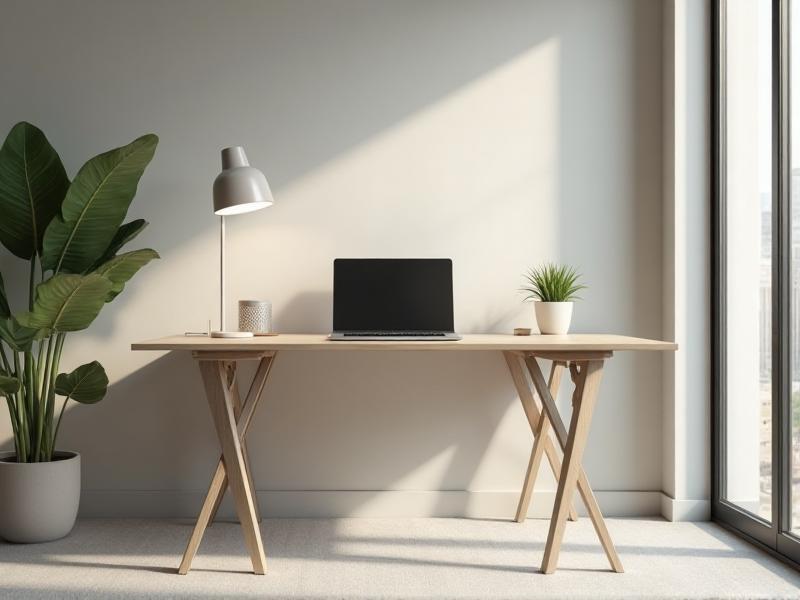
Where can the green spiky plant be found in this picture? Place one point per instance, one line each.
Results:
(552, 283)
(71, 233)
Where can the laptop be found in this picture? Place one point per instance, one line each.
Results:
(393, 299)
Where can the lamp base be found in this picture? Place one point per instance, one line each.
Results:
(231, 334)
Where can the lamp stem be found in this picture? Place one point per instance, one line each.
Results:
(222, 273)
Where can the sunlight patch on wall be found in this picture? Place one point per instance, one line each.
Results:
(473, 177)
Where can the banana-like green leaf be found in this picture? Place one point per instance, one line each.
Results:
(5, 311)
(124, 234)
(121, 268)
(18, 338)
(33, 183)
(67, 302)
(94, 207)
(87, 384)
(8, 384)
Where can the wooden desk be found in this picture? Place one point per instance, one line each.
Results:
(582, 355)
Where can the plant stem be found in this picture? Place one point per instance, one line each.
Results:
(18, 400)
(50, 437)
(30, 391)
(32, 283)
(14, 425)
(31, 368)
(46, 369)
(31, 374)
(12, 400)
(41, 406)
(40, 369)
(58, 424)
(4, 358)
(42, 403)
(17, 369)
(24, 429)
(25, 408)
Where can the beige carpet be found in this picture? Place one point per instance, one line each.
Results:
(394, 558)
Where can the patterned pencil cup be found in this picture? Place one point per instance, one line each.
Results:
(255, 316)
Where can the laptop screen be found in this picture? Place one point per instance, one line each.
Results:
(392, 294)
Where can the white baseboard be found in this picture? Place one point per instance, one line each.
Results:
(685, 510)
(318, 503)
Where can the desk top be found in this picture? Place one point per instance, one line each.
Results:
(480, 341)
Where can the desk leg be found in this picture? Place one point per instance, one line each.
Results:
(543, 443)
(237, 410)
(231, 430)
(587, 375)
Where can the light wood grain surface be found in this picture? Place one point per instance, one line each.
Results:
(217, 358)
(319, 341)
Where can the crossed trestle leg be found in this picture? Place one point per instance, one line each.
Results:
(540, 426)
(586, 370)
(237, 410)
(231, 419)
(219, 376)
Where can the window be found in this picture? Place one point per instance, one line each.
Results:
(756, 258)
(793, 412)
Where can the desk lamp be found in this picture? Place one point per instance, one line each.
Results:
(238, 189)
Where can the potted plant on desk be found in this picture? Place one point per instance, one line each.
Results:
(553, 288)
(70, 233)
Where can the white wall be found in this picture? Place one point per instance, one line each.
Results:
(686, 284)
(500, 134)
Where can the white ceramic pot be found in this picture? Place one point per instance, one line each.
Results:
(39, 501)
(553, 317)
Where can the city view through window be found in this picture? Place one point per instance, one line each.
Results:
(765, 355)
(763, 131)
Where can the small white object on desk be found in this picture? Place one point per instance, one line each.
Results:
(255, 316)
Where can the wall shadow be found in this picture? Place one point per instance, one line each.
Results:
(155, 421)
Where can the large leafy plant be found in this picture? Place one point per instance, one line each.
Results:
(71, 234)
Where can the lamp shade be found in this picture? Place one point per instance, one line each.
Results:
(240, 188)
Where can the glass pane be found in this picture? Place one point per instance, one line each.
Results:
(794, 153)
(748, 202)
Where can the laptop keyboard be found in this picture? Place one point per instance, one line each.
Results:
(394, 333)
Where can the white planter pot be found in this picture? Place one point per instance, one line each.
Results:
(553, 317)
(39, 501)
